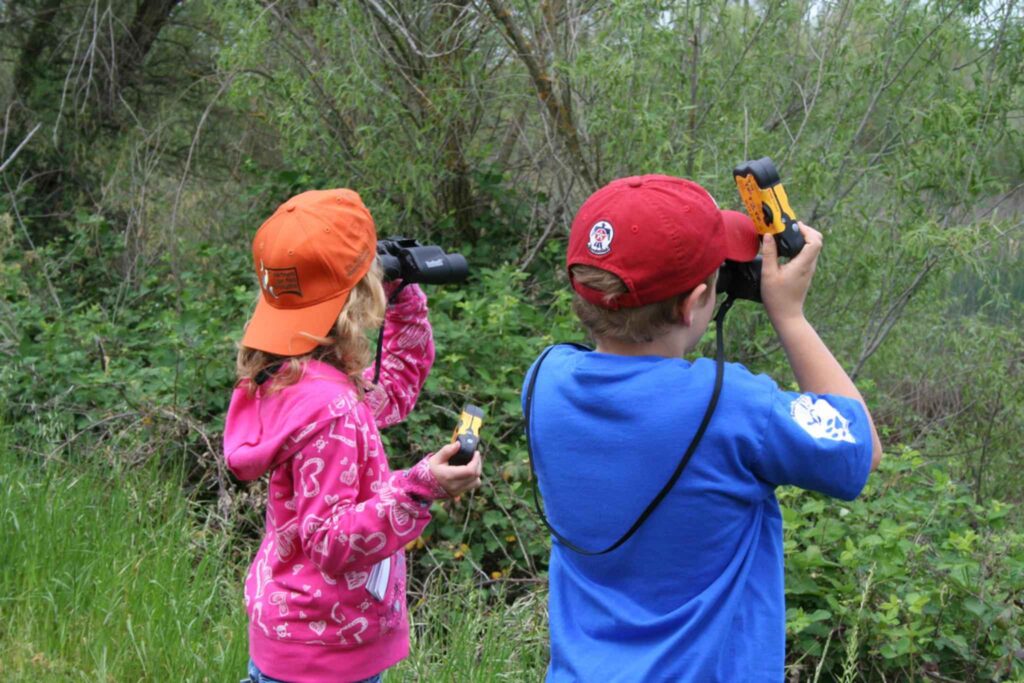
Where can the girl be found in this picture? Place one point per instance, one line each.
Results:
(325, 593)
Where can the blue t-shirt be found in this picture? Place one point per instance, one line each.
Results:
(697, 593)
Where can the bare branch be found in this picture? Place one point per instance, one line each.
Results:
(192, 148)
(17, 149)
(694, 76)
(28, 237)
(884, 326)
(542, 82)
(556, 217)
(410, 40)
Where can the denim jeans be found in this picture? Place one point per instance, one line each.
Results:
(257, 676)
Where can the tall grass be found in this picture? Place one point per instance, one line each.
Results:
(853, 644)
(107, 575)
(464, 634)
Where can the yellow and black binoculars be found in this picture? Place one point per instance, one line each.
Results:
(765, 199)
(467, 434)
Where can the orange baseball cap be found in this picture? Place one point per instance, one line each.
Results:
(308, 256)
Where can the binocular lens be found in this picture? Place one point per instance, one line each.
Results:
(453, 269)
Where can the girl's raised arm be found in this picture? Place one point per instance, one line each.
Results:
(407, 358)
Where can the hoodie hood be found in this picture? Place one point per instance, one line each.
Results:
(261, 432)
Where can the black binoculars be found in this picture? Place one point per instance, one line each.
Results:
(740, 280)
(403, 258)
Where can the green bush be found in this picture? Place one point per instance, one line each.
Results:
(912, 578)
(152, 364)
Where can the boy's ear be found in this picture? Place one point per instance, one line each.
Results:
(690, 302)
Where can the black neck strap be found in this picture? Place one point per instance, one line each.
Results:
(712, 404)
(266, 373)
(380, 335)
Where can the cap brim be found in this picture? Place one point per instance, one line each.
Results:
(741, 239)
(281, 330)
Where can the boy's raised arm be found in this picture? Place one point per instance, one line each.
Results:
(783, 289)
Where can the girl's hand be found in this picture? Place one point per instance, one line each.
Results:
(784, 287)
(455, 479)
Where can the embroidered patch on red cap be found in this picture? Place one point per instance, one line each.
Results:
(601, 235)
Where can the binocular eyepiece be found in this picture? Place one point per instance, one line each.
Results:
(406, 259)
(740, 280)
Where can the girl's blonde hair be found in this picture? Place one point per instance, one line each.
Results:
(346, 346)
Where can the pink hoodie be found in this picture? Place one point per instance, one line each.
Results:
(334, 510)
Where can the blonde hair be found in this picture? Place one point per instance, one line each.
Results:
(636, 325)
(346, 345)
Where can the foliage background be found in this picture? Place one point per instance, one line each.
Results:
(158, 135)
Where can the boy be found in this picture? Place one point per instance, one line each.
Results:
(696, 594)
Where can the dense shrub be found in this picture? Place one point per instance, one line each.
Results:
(913, 578)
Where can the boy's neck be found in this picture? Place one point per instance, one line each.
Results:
(673, 344)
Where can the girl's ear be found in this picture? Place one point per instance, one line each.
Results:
(690, 302)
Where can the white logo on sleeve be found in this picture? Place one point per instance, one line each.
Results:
(819, 419)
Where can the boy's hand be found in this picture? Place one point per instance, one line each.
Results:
(455, 479)
(784, 287)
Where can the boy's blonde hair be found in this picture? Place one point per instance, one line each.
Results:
(636, 325)
(346, 346)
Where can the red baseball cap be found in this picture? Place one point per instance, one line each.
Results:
(661, 235)
(308, 256)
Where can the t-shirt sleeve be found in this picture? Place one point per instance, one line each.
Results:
(818, 442)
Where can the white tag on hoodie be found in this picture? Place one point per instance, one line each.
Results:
(377, 584)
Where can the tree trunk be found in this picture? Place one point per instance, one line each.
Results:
(150, 18)
(27, 70)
